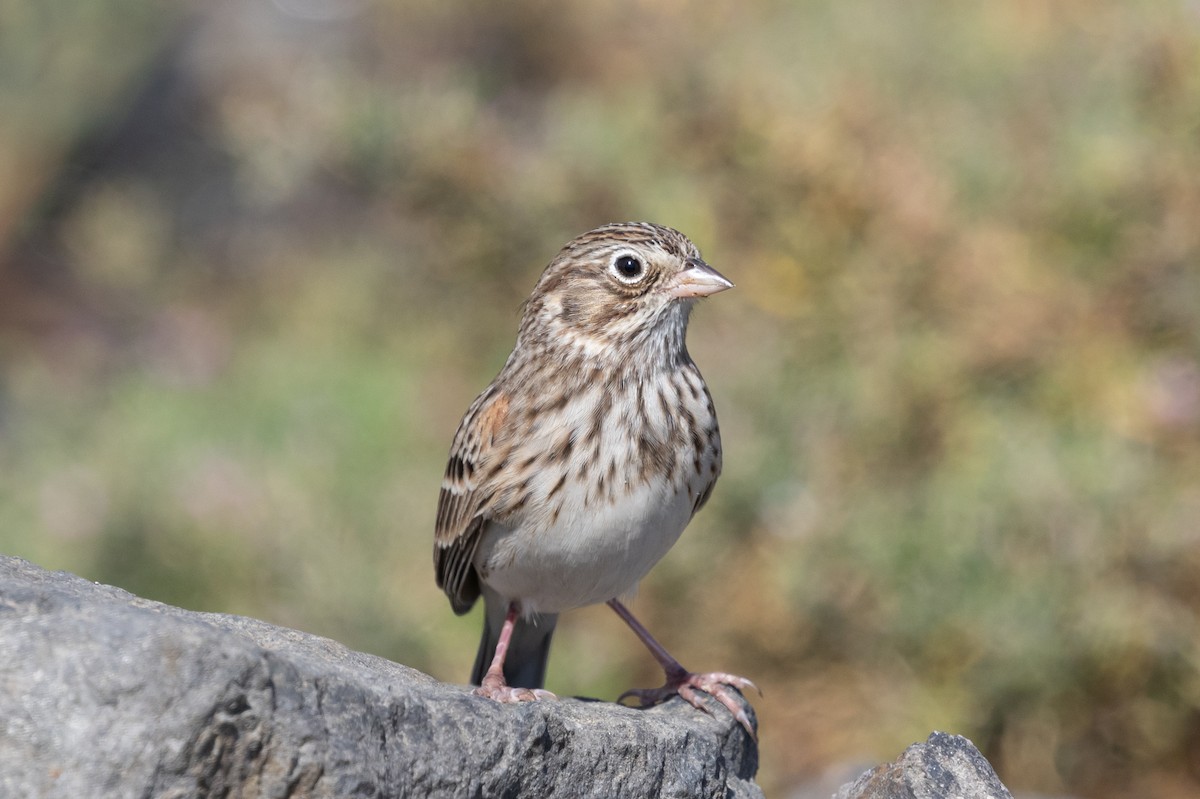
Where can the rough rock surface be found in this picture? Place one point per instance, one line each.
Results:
(944, 767)
(106, 694)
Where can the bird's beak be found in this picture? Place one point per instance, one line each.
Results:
(698, 279)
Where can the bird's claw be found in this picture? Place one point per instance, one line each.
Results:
(687, 684)
(499, 691)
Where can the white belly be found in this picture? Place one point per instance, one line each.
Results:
(594, 551)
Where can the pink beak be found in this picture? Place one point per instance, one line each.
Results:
(698, 279)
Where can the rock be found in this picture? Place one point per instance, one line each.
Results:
(106, 694)
(944, 767)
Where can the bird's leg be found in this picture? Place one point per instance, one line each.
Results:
(683, 682)
(493, 685)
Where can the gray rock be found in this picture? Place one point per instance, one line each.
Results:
(944, 767)
(106, 694)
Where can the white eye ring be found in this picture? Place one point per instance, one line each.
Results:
(628, 268)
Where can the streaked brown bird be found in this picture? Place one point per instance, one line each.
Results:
(576, 470)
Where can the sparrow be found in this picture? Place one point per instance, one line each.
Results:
(580, 465)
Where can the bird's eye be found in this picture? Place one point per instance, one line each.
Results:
(628, 268)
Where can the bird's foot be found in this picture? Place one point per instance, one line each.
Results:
(496, 689)
(687, 684)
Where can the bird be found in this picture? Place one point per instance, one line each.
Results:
(578, 467)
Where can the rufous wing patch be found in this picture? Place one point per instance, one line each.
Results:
(492, 418)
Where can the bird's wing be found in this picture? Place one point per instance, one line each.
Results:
(466, 496)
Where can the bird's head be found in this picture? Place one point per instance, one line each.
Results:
(619, 288)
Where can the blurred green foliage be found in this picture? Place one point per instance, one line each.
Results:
(258, 258)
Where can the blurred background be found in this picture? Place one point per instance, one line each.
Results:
(256, 258)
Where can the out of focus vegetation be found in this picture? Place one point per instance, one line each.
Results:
(257, 259)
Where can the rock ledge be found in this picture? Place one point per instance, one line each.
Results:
(106, 694)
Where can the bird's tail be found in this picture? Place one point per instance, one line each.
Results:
(528, 649)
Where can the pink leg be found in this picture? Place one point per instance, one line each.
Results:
(494, 686)
(683, 682)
